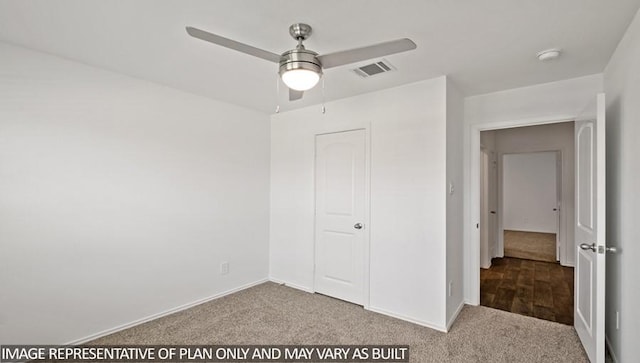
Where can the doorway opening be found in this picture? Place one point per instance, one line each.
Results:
(526, 218)
(531, 193)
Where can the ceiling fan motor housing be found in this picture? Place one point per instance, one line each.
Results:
(300, 58)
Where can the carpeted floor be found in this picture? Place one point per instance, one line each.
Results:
(530, 245)
(275, 314)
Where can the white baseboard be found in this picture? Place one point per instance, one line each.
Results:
(375, 310)
(567, 263)
(468, 302)
(611, 352)
(292, 285)
(454, 316)
(409, 319)
(164, 313)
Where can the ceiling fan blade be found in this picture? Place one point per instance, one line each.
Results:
(295, 95)
(232, 44)
(372, 51)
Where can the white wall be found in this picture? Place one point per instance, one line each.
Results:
(561, 100)
(408, 199)
(538, 104)
(529, 192)
(622, 87)
(119, 198)
(455, 213)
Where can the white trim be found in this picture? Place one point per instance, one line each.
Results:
(292, 285)
(367, 216)
(164, 313)
(610, 349)
(454, 316)
(381, 311)
(522, 122)
(409, 319)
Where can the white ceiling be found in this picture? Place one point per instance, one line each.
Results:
(483, 46)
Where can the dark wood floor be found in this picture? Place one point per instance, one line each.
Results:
(540, 289)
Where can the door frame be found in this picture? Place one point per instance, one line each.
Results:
(366, 127)
(484, 212)
(472, 200)
(500, 228)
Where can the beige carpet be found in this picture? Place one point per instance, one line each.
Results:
(275, 314)
(530, 245)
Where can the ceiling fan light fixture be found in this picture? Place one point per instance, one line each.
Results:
(300, 70)
(300, 79)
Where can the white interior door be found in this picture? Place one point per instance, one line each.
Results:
(558, 203)
(340, 181)
(485, 255)
(590, 229)
(492, 170)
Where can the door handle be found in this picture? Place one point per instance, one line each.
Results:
(357, 226)
(586, 246)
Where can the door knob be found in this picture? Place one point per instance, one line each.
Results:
(357, 226)
(586, 246)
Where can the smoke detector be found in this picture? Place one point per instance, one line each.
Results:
(549, 54)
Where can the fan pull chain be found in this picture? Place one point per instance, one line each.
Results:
(277, 94)
(323, 108)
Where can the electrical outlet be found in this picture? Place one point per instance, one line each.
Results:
(224, 268)
(452, 189)
(450, 287)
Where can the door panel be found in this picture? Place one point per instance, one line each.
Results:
(585, 177)
(584, 291)
(338, 248)
(340, 205)
(590, 229)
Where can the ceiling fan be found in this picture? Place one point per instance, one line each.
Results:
(300, 68)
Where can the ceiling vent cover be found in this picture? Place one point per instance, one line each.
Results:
(374, 68)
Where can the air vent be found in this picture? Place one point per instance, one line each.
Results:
(374, 68)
